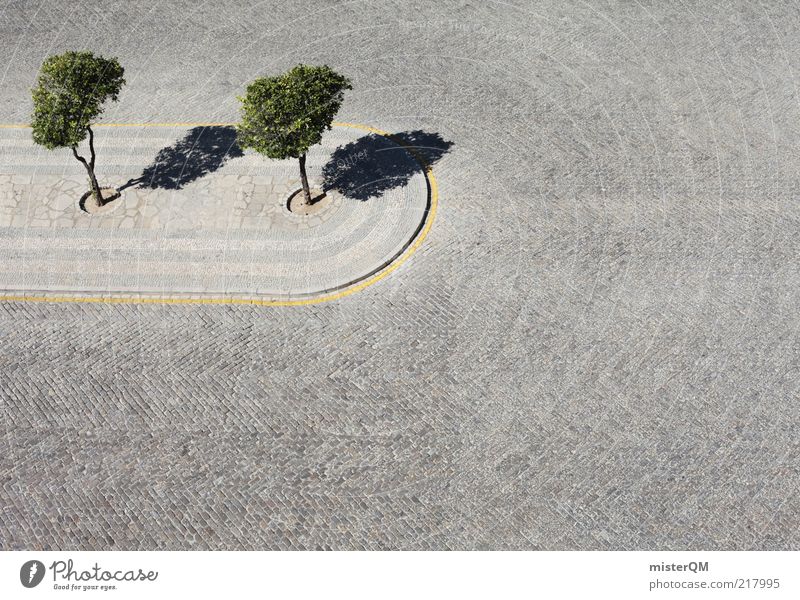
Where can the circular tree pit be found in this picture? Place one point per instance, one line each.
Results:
(297, 202)
(88, 203)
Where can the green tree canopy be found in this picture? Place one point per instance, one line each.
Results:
(283, 116)
(69, 95)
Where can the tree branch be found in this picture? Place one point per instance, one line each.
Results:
(79, 157)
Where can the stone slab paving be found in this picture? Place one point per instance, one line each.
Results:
(204, 220)
(596, 347)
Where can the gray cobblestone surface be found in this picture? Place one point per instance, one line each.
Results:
(596, 347)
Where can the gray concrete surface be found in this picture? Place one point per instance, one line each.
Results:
(595, 348)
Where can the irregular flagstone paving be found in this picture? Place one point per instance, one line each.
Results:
(226, 232)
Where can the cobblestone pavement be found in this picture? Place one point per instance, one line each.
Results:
(595, 348)
(192, 222)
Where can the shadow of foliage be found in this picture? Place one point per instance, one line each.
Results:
(202, 151)
(373, 164)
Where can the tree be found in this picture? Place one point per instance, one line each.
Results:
(283, 116)
(69, 95)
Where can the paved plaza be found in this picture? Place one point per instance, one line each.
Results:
(204, 220)
(593, 346)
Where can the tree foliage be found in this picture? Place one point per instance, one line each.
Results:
(283, 116)
(69, 95)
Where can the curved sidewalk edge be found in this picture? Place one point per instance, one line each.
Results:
(326, 295)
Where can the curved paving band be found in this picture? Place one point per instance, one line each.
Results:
(200, 221)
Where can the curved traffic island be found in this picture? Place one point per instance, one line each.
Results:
(205, 222)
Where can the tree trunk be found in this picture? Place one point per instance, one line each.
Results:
(304, 178)
(92, 179)
(95, 187)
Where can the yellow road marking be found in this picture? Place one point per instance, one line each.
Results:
(390, 268)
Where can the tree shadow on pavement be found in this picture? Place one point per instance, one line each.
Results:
(202, 151)
(373, 164)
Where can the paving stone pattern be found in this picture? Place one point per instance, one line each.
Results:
(226, 233)
(596, 347)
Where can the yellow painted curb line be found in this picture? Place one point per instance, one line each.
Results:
(387, 270)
